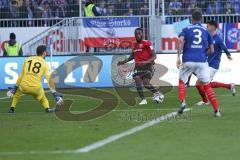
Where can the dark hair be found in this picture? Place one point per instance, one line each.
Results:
(14, 2)
(213, 23)
(197, 16)
(12, 36)
(41, 49)
(138, 29)
(46, 3)
(89, 2)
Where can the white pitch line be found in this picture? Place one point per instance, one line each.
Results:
(37, 152)
(115, 110)
(4, 98)
(103, 142)
(115, 137)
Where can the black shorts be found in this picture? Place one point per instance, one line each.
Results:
(145, 72)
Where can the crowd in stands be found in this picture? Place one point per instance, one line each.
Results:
(176, 7)
(172, 7)
(10, 9)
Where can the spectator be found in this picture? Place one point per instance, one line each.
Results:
(130, 12)
(144, 10)
(110, 10)
(236, 6)
(90, 9)
(4, 9)
(29, 8)
(72, 9)
(211, 9)
(218, 5)
(102, 10)
(47, 13)
(12, 47)
(120, 8)
(18, 2)
(203, 5)
(185, 3)
(14, 9)
(229, 9)
(129, 4)
(59, 10)
(175, 6)
(191, 8)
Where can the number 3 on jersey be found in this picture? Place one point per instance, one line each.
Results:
(198, 36)
(35, 68)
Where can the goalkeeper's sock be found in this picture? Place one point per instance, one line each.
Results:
(220, 85)
(211, 96)
(44, 102)
(181, 91)
(49, 110)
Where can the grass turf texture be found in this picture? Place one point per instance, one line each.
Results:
(200, 137)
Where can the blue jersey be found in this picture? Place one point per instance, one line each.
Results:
(196, 43)
(214, 59)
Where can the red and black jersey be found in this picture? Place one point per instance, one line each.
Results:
(142, 52)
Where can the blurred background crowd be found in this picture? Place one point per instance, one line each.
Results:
(10, 9)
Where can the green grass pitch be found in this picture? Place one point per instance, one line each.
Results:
(196, 136)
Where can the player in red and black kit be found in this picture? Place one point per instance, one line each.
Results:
(144, 56)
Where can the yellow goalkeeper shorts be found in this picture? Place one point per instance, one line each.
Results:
(36, 92)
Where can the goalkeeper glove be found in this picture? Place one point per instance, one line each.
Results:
(12, 91)
(58, 98)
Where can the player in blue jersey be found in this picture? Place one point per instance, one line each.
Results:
(195, 42)
(214, 63)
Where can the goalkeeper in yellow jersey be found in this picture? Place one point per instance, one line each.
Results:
(30, 81)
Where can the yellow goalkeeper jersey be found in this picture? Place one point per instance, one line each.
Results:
(34, 68)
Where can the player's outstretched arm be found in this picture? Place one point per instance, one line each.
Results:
(13, 90)
(224, 48)
(179, 51)
(58, 96)
(126, 60)
(210, 42)
(229, 57)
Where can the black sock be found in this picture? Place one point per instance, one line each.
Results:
(151, 88)
(140, 91)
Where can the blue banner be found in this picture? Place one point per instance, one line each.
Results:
(118, 22)
(232, 35)
(78, 71)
